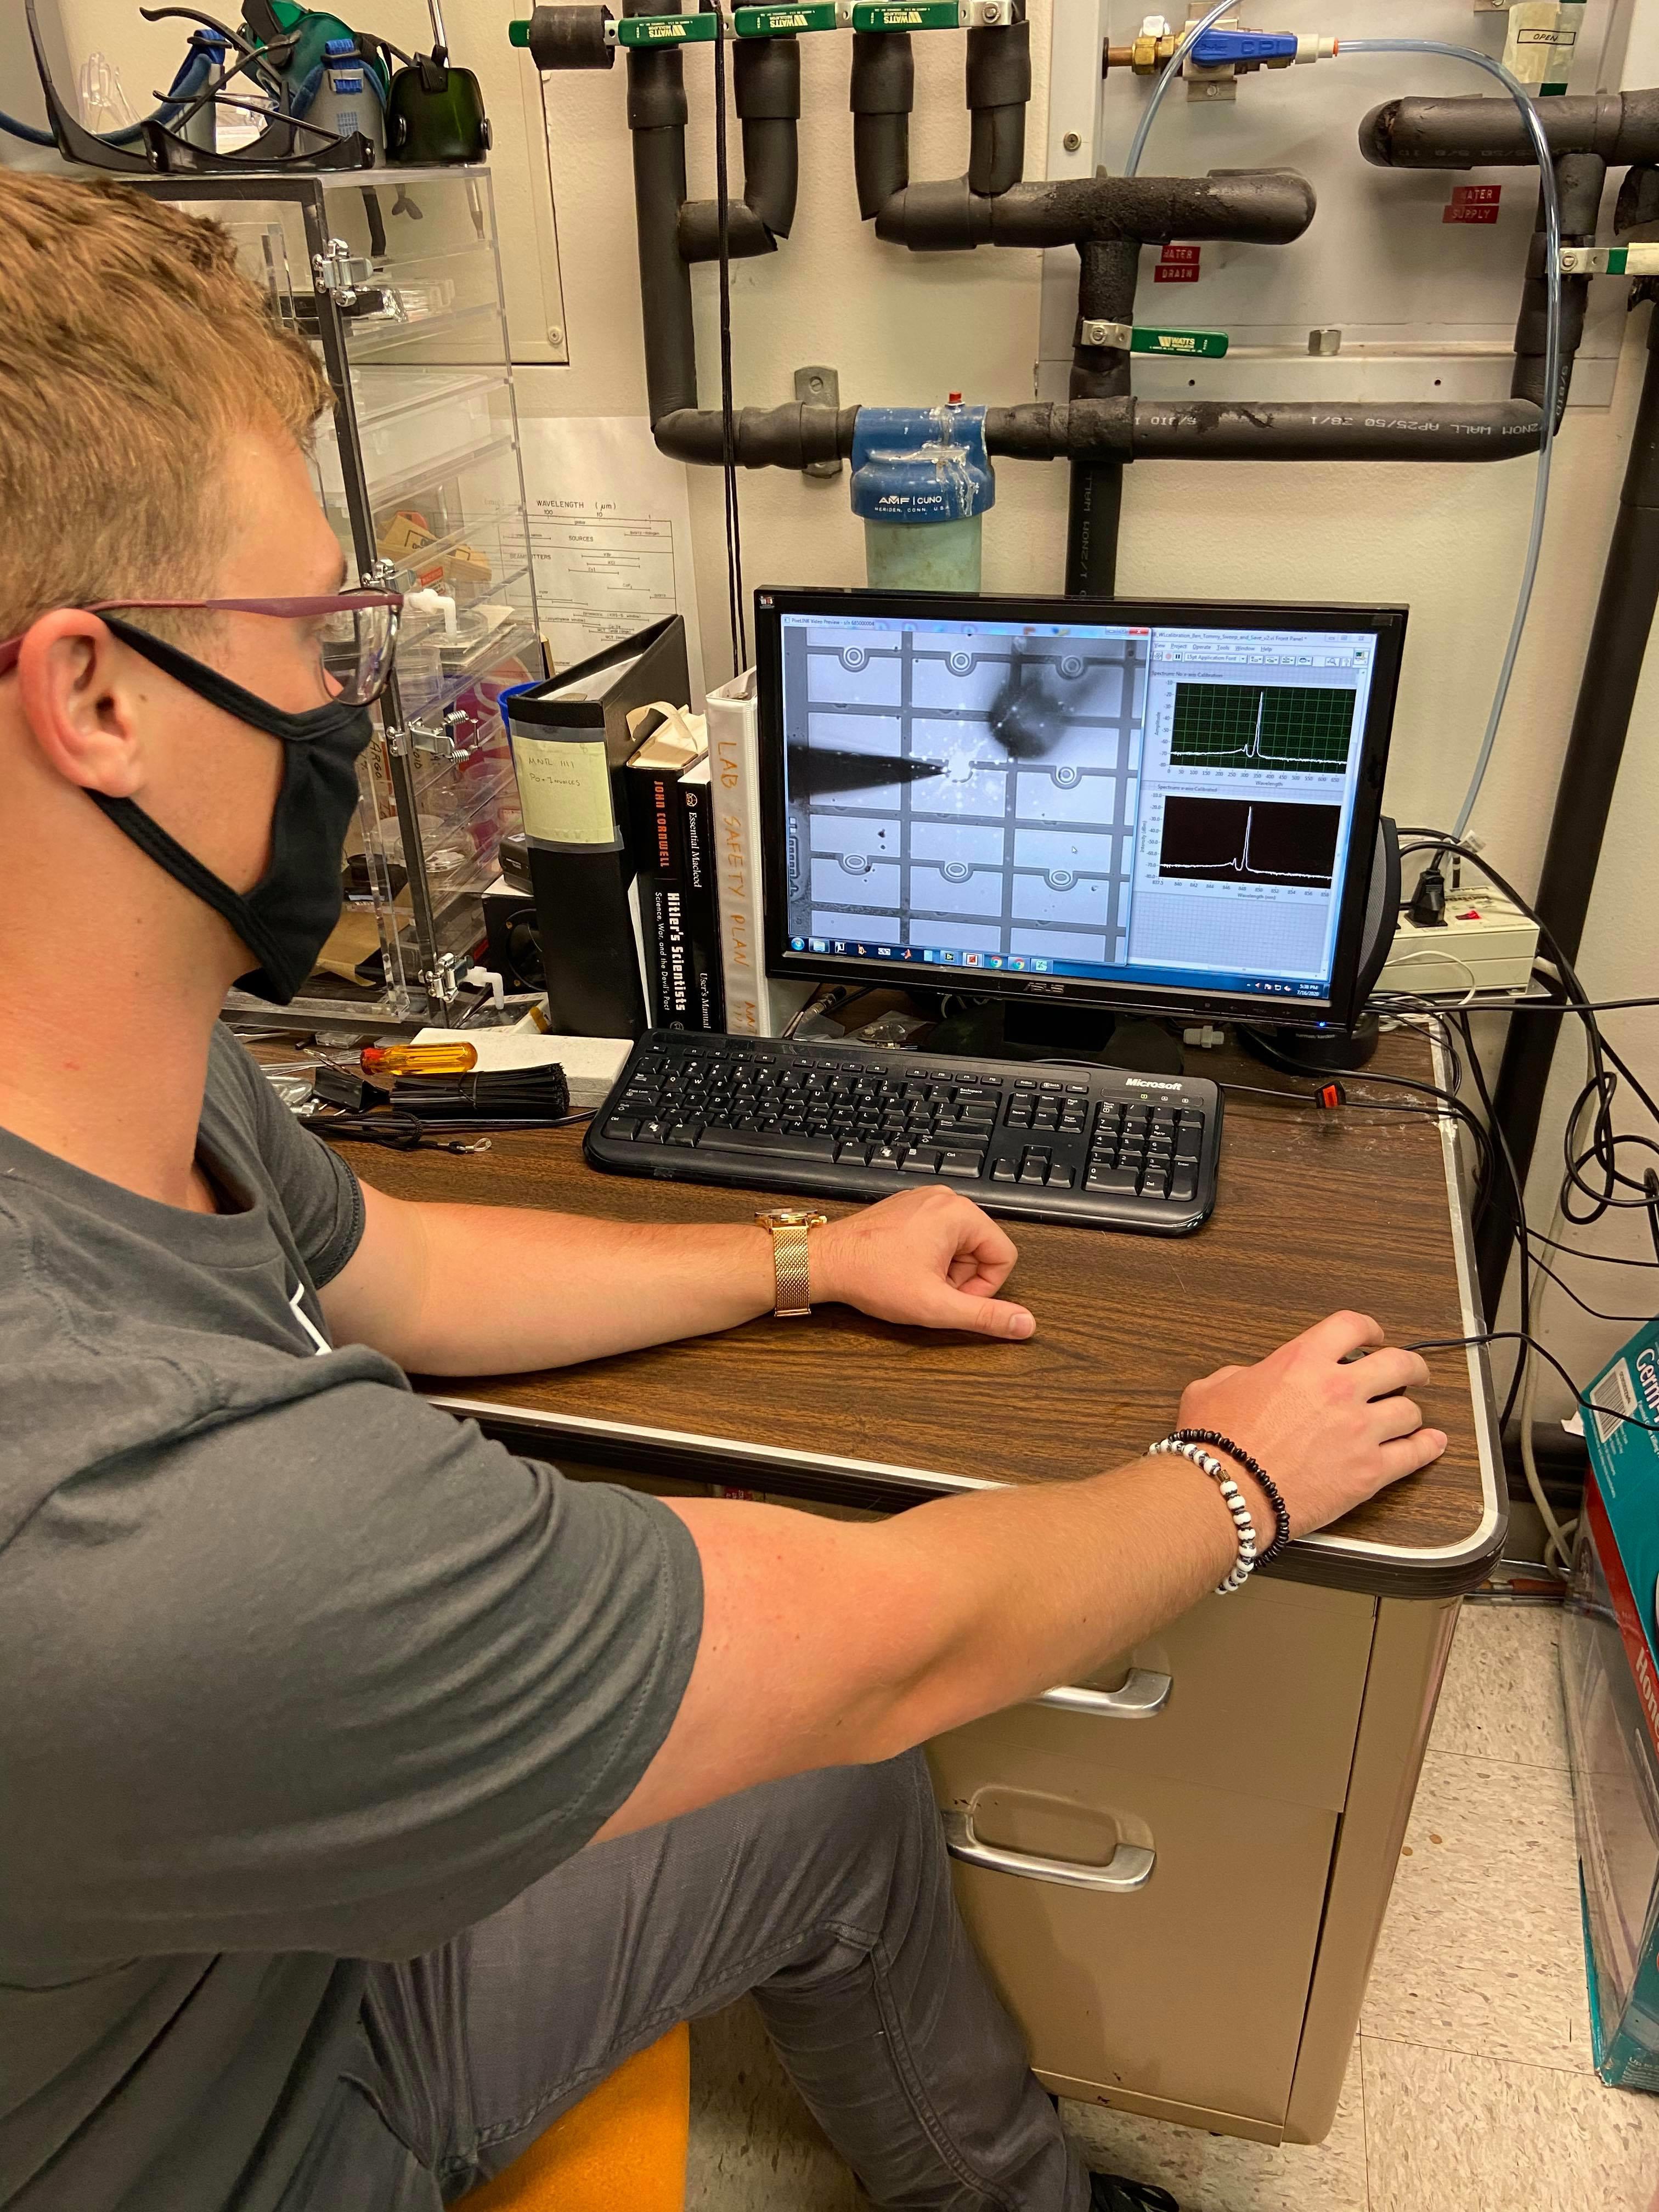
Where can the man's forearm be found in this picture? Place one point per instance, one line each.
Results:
(855, 1642)
(503, 1289)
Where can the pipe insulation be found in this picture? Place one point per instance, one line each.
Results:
(1263, 207)
(999, 88)
(883, 91)
(766, 88)
(1119, 430)
(1481, 132)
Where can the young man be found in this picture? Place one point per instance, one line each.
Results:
(370, 1793)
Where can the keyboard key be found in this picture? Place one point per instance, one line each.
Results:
(622, 1125)
(881, 1156)
(684, 1132)
(1183, 1183)
(1034, 1168)
(1112, 1179)
(1060, 1176)
(1004, 1171)
(778, 1144)
(920, 1159)
(965, 1164)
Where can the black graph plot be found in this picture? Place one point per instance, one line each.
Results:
(1249, 840)
(1261, 726)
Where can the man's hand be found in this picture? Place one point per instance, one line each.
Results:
(1331, 1430)
(926, 1256)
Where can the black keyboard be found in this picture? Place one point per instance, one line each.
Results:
(1099, 1149)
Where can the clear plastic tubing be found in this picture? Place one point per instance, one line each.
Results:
(1535, 130)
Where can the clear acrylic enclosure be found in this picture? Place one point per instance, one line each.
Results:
(394, 275)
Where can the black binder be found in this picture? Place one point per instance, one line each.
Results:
(570, 744)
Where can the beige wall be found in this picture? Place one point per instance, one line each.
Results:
(899, 328)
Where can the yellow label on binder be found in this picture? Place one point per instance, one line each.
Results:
(564, 789)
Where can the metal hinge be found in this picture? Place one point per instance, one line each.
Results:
(443, 982)
(337, 272)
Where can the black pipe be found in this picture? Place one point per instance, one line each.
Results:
(999, 88)
(1117, 429)
(884, 90)
(1579, 178)
(1262, 430)
(791, 437)
(1488, 133)
(1105, 292)
(1266, 207)
(766, 86)
(571, 38)
(657, 113)
(1590, 773)
(698, 231)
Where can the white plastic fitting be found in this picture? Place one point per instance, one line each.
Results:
(1311, 49)
(433, 603)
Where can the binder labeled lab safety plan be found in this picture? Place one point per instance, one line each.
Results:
(756, 1004)
(571, 739)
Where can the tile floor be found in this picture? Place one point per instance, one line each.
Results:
(1471, 2087)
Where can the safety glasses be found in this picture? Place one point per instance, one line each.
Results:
(349, 636)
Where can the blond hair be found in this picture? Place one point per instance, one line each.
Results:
(133, 352)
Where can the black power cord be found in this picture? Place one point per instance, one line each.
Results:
(728, 420)
(1520, 1336)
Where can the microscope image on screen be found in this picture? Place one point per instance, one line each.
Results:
(974, 791)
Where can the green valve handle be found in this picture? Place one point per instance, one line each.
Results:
(666, 30)
(923, 15)
(1205, 345)
(787, 23)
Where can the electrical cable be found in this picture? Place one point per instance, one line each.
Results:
(1552, 206)
(728, 424)
(1584, 1403)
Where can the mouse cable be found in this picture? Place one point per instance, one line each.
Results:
(1493, 1148)
(1498, 1335)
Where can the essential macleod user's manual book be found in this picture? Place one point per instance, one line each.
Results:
(1610, 1681)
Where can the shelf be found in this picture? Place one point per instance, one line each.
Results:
(368, 340)
(394, 490)
(382, 396)
(514, 641)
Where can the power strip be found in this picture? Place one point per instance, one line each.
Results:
(1487, 943)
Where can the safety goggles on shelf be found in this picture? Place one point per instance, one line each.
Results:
(351, 634)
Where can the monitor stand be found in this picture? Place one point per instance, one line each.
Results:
(1026, 1029)
(1315, 1050)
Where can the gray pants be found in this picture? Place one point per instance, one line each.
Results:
(828, 1896)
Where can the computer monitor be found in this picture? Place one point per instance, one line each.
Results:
(1164, 806)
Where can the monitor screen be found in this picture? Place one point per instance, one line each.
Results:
(1162, 801)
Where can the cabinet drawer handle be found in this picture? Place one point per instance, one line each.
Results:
(1130, 1865)
(1140, 1697)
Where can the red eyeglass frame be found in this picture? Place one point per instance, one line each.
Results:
(322, 603)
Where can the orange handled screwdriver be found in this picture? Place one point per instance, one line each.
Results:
(417, 1058)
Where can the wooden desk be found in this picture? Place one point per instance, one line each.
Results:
(1136, 1999)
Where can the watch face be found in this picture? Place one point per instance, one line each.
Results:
(790, 1217)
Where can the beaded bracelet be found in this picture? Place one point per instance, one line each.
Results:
(1234, 1499)
(1281, 1511)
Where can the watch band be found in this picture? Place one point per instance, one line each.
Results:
(791, 1263)
(792, 1292)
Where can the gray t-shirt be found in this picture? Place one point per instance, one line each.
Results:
(297, 1670)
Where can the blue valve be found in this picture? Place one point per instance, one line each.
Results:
(1216, 48)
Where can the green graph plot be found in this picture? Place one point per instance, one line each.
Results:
(1262, 727)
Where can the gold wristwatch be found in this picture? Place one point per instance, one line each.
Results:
(789, 1225)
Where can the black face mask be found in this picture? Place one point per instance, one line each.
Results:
(285, 920)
